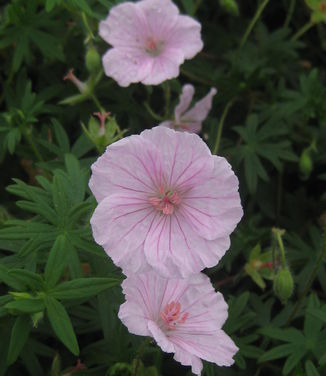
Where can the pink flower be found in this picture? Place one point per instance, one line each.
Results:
(164, 202)
(183, 316)
(150, 40)
(190, 120)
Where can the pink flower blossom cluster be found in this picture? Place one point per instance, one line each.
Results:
(166, 209)
(166, 205)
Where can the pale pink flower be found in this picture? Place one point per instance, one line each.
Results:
(184, 317)
(164, 202)
(150, 41)
(190, 120)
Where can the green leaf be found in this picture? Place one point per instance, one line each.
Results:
(19, 335)
(277, 352)
(290, 335)
(57, 260)
(294, 359)
(29, 279)
(310, 368)
(61, 324)
(61, 136)
(83, 287)
(32, 305)
(8, 279)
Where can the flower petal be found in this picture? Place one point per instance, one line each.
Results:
(160, 337)
(185, 157)
(186, 96)
(125, 26)
(127, 65)
(185, 35)
(130, 166)
(120, 224)
(201, 109)
(215, 347)
(187, 359)
(161, 16)
(164, 67)
(213, 208)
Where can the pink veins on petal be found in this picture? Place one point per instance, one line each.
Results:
(184, 316)
(149, 40)
(164, 202)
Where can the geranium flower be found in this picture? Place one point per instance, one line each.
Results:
(190, 120)
(184, 317)
(150, 40)
(164, 202)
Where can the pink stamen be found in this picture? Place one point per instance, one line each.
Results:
(153, 47)
(166, 202)
(171, 315)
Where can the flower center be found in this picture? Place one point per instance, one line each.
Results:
(153, 47)
(172, 316)
(166, 202)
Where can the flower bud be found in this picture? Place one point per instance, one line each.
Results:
(230, 6)
(283, 285)
(92, 60)
(305, 164)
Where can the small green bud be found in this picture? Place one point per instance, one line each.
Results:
(92, 60)
(230, 6)
(305, 163)
(283, 285)
(36, 318)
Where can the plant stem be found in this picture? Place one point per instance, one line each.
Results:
(167, 96)
(220, 125)
(31, 143)
(303, 30)
(139, 355)
(197, 79)
(196, 6)
(278, 234)
(289, 13)
(153, 114)
(253, 22)
(97, 103)
(310, 280)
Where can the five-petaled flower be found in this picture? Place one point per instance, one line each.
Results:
(164, 202)
(150, 41)
(185, 317)
(190, 120)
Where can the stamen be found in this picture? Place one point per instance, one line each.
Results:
(153, 47)
(171, 315)
(166, 201)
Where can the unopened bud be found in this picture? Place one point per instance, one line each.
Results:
(81, 86)
(92, 60)
(305, 164)
(230, 6)
(283, 285)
